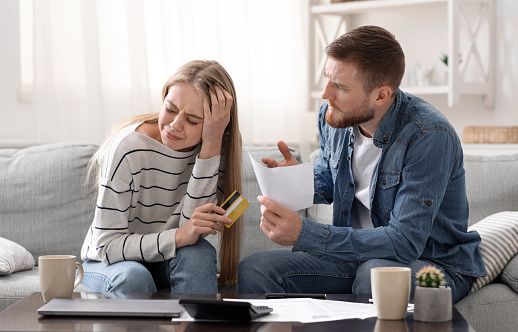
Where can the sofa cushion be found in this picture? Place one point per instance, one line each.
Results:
(499, 233)
(17, 286)
(14, 257)
(509, 275)
(491, 184)
(45, 207)
(491, 308)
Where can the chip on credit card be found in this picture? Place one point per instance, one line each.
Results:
(234, 206)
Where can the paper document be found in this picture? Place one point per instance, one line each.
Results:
(305, 310)
(290, 186)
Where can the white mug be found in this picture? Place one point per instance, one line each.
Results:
(58, 276)
(390, 287)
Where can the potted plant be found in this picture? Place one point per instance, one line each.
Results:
(432, 299)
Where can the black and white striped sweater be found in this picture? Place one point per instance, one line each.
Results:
(146, 192)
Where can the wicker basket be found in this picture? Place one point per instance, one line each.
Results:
(490, 135)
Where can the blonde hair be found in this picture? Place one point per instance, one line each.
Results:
(203, 75)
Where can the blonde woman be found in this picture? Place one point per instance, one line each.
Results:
(161, 179)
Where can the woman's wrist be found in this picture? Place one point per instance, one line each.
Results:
(210, 149)
(178, 238)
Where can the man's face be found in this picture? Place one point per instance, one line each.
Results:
(349, 104)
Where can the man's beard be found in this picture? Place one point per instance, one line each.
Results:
(363, 114)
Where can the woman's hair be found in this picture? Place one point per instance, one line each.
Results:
(376, 53)
(204, 75)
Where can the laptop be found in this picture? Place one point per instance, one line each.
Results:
(113, 307)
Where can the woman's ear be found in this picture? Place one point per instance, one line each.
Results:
(384, 94)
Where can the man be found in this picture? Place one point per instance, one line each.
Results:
(392, 166)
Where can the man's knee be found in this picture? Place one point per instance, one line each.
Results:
(258, 272)
(362, 283)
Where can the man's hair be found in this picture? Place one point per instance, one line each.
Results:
(376, 53)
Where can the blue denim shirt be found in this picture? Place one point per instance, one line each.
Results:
(419, 207)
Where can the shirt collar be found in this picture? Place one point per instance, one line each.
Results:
(387, 126)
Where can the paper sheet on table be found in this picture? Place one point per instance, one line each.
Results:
(304, 310)
(291, 186)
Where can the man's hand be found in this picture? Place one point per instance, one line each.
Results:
(203, 221)
(280, 224)
(289, 159)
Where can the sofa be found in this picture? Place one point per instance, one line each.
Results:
(46, 208)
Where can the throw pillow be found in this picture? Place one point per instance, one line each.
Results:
(499, 233)
(14, 257)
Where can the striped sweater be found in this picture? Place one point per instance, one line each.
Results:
(147, 191)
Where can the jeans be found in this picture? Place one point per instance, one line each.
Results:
(281, 270)
(193, 270)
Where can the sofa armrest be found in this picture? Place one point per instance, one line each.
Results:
(509, 275)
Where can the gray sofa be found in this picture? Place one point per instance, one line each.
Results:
(45, 208)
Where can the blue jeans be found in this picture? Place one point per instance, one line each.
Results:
(193, 270)
(281, 270)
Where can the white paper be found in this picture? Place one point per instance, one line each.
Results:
(304, 310)
(291, 186)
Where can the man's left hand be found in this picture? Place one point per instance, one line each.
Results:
(280, 224)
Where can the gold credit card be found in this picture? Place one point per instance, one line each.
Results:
(234, 206)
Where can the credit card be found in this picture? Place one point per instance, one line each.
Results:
(234, 206)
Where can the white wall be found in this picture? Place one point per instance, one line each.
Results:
(422, 33)
(15, 123)
(17, 117)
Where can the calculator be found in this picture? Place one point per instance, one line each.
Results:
(212, 309)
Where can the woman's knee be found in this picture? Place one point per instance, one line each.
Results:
(200, 254)
(120, 277)
(194, 269)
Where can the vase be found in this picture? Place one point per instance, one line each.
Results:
(432, 304)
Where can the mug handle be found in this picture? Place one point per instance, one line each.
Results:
(79, 275)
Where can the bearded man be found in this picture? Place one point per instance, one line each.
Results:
(392, 166)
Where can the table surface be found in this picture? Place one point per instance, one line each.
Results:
(22, 316)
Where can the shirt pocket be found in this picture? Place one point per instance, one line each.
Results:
(387, 186)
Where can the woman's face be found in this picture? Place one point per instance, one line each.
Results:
(181, 118)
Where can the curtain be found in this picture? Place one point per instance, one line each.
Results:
(99, 62)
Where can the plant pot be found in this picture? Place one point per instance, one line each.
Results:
(432, 304)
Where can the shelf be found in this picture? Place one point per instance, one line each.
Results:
(426, 90)
(356, 7)
(458, 18)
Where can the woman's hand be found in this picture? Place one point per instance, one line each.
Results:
(216, 118)
(203, 221)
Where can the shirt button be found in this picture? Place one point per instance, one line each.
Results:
(385, 139)
(348, 158)
(344, 212)
(384, 182)
(350, 184)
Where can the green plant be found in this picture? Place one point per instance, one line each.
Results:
(430, 276)
(444, 59)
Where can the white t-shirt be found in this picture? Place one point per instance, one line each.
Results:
(364, 160)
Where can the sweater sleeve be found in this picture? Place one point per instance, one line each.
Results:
(202, 187)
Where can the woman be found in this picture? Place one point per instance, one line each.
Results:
(160, 178)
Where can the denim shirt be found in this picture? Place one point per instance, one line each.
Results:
(419, 207)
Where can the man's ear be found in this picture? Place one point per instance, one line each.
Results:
(384, 94)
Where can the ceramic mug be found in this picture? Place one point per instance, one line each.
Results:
(390, 287)
(58, 276)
